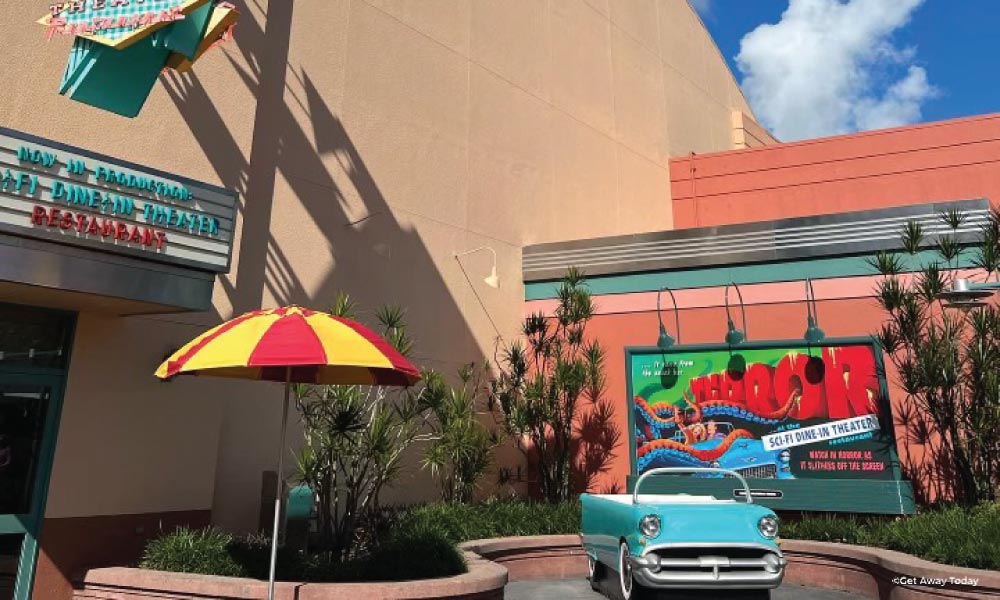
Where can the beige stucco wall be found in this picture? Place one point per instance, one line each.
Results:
(128, 444)
(748, 133)
(369, 140)
(141, 445)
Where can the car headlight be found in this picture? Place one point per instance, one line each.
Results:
(768, 526)
(650, 526)
(785, 456)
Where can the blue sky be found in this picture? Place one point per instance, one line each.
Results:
(823, 67)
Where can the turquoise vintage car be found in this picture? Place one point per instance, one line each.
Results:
(641, 542)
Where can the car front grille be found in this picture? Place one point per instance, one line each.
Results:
(759, 472)
(712, 566)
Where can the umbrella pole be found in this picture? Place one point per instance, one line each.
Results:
(279, 486)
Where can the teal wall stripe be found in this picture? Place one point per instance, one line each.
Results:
(820, 268)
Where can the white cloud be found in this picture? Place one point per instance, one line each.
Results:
(704, 7)
(828, 66)
(900, 104)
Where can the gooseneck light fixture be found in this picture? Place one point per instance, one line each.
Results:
(492, 280)
(965, 297)
(666, 340)
(813, 334)
(735, 336)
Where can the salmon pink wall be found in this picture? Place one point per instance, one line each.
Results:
(946, 160)
(926, 163)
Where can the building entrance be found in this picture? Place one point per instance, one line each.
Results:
(34, 348)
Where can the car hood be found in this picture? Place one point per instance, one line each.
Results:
(734, 523)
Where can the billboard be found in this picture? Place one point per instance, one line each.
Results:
(776, 411)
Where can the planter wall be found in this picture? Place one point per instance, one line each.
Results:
(534, 557)
(484, 581)
(866, 571)
(872, 571)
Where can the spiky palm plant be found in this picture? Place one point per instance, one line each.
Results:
(543, 381)
(355, 438)
(947, 364)
(462, 448)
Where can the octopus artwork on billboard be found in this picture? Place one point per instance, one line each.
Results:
(768, 412)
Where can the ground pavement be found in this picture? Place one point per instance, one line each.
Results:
(579, 589)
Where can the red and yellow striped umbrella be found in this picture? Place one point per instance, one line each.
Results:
(295, 344)
(291, 344)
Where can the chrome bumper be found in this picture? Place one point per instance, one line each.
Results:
(709, 571)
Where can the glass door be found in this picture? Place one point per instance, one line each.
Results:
(34, 353)
(29, 403)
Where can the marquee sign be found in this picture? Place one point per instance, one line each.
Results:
(115, 23)
(805, 421)
(58, 193)
(121, 46)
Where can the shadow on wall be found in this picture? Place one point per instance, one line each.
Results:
(598, 436)
(321, 182)
(314, 222)
(923, 458)
(375, 258)
(595, 444)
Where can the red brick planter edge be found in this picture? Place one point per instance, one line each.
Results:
(867, 571)
(862, 570)
(485, 580)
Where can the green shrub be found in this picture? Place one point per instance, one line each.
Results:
(416, 553)
(954, 536)
(847, 529)
(419, 542)
(204, 551)
(495, 518)
(253, 553)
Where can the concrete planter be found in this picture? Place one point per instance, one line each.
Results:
(872, 572)
(484, 581)
(877, 573)
(534, 557)
(862, 570)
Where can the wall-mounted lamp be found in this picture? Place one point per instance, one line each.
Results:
(813, 334)
(735, 336)
(493, 279)
(666, 340)
(963, 296)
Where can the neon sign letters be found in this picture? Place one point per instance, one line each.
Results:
(105, 202)
(60, 26)
(54, 192)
